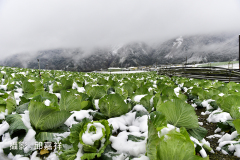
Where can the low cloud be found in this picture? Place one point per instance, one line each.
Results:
(32, 25)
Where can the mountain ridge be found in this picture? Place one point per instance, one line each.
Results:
(196, 48)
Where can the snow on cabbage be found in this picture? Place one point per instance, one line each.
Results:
(145, 116)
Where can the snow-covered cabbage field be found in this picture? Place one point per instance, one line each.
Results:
(139, 116)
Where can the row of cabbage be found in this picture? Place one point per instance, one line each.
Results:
(98, 116)
(223, 107)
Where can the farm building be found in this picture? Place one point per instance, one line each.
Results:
(133, 68)
(114, 69)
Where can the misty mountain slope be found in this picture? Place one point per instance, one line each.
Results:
(133, 54)
(197, 48)
(55, 59)
(206, 48)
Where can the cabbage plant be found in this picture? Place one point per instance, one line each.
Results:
(113, 105)
(168, 143)
(89, 140)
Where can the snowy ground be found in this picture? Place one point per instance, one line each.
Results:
(235, 66)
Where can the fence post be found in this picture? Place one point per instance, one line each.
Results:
(39, 69)
(230, 63)
(230, 75)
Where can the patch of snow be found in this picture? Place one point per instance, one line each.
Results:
(122, 122)
(231, 147)
(123, 145)
(219, 116)
(224, 152)
(17, 95)
(214, 136)
(206, 104)
(7, 141)
(30, 140)
(139, 107)
(149, 89)
(142, 157)
(228, 137)
(134, 129)
(96, 85)
(235, 66)
(165, 130)
(47, 102)
(151, 101)
(79, 115)
(237, 150)
(3, 114)
(221, 94)
(81, 89)
(30, 80)
(194, 105)
(74, 85)
(116, 48)
(26, 120)
(202, 151)
(125, 121)
(23, 73)
(141, 122)
(13, 75)
(205, 113)
(178, 42)
(4, 87)
(90, 137)
(79, 153)
(17, 157)
(217, 130)
(177, 90)
(3, 127)
(3, 72)
(58, 95)
(96, 102)
(139, 97)
(59, 136)
(218, 149)
(50, 88)
(3, 80)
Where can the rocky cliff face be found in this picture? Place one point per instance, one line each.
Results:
(206, 48)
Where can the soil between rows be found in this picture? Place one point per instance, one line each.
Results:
(211, 127)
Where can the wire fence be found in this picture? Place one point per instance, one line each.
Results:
(209, 73)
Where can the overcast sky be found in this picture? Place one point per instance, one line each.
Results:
(31, 25)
